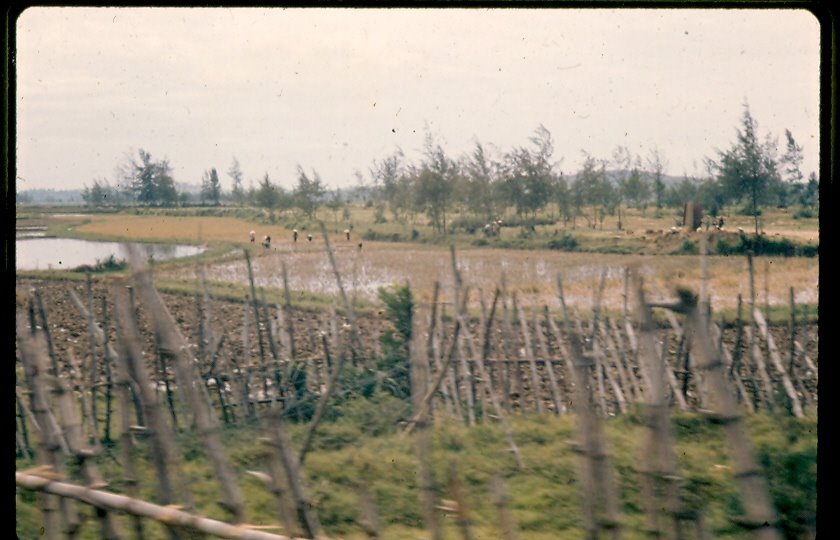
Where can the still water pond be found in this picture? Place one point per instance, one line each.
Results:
(67, 253)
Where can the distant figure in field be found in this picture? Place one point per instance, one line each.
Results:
(309, 236)
(267, 242)
(347, 233)
(719, 224)
(294, 235)
(360, 246)
(253, 236)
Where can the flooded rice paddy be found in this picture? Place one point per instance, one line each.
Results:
(34, 253)
(532, 274)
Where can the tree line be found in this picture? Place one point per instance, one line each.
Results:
(486, 184)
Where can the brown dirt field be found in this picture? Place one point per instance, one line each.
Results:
(69, 332)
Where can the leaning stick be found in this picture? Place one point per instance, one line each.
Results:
(423, 404)
(529, 353)
(659, 475)
(556, 395)
(51, 444)
(755, 497)
(777, 363)
(356, 349)
(94, 372)
(164, 514)
(494, 400)
(172, 343)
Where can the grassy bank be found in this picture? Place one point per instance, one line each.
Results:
(360, 443)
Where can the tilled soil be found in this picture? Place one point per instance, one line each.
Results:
(312, 330)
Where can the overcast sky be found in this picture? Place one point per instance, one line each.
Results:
(334, 89)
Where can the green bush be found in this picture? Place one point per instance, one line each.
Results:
(763, 245)
(111, 264)
(567, 242)
(688, 247)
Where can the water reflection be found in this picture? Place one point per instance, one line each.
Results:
(68, 253)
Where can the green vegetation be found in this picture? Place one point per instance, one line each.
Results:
(111, 264)
(360, 443)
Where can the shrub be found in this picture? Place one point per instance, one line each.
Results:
(688, 247)
(394, 363)
(762, 245)
(567, 242)
(111, 264)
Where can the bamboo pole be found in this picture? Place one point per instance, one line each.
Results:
(94, 371)
(165, 457)
(108, 361)
(601, 505)
(734, 375)
(45, 326)
(755, 353)
(457, 299)
(172, 343)
(494, 400)
(508, 338)
(356, 349)
(257, 321)
(422, 435)
(500, 501)
(51, 440)
(760, 515)
(369, 520)
(22, 413)
(433, 348)
(304, 509)
(83, 456)
(556, 394)
(457, 492)
(660, 489)
(776, 359)
(126, 441)
(422, 405)
(167, 515)
(529, 354)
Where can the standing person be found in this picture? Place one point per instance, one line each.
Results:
(253, 236)
(347, 233)
(294, 235)
(309, 236)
